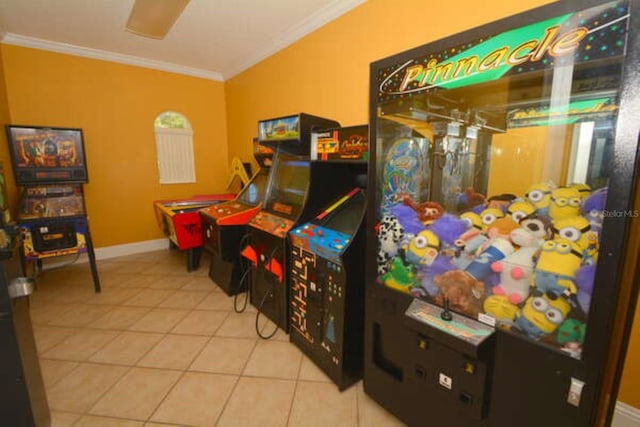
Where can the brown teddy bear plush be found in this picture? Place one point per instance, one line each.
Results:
(465, 294)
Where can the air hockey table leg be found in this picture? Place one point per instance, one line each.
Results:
(193, 258)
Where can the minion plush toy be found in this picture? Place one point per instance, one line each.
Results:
(575, 229)
(422, 249)
(542, 315)
(565, 202)
(539, 195)
(520, 209)
(490, 215)
(557, 266)
(583, 189)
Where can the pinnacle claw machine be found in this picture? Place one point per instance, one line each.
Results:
(503, 170)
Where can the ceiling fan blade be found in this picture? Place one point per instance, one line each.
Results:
(154, 18)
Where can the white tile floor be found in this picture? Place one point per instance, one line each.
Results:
(163, 347)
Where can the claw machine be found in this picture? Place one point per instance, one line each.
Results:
(503, 172)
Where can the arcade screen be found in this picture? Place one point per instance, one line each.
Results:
(493, 165)
(45, 155)
(253, 193)
(288, 186)
(346, 217)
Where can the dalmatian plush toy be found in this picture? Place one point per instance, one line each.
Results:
(390, 237)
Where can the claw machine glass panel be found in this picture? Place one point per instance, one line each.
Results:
(498, 161)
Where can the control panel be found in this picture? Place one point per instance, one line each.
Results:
(272, 224)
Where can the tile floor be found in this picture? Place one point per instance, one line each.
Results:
(163, 347)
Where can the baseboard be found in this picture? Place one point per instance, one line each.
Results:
(131, 248)
(625, 416)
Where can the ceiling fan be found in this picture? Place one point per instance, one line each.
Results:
(154, 18)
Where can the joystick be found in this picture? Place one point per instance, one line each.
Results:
(446, 314)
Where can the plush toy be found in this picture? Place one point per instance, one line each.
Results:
(501, 201)
(574, 229)
(583, 189)
(520, 209)
(480, 267)
(463, 292)
(501, 227)
(399, 276)
(473, 220)
(585, 278)
(537, 225)
(571, 336)
(565, 202)
(422, 249)
(490, 215)
(427, 275)
(516, 269)
(542, 315)
(427, 211)
(500, 308)
(539, 195)
(407, 217)
(448, 228)
(468, 245)
(557, 266)
(593, 209)
(469, 199)
(390, 234)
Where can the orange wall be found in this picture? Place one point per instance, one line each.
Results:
(327, 73)
(5, 118)
(116, 105)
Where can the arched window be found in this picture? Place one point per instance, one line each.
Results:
(174, 145)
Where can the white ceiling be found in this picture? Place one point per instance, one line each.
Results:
(214, 39)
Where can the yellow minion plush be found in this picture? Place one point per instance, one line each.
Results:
(565, 202)
(423, 248)
(542, 315)
(539, 195)
(520, 209)
(556, 268)
(473, 220)
(583, 189)
(500, 308)
(490, 215)
(574, 229)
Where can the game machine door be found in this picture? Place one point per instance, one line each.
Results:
(494, 285)
(225, 228)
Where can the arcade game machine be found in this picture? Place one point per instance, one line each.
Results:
(50, 165)
(285, 206)
(502, 178)
(225, 227)
(181, 222)
(326, 268)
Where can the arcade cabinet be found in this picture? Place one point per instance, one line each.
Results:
(225, 227)
(284, 207)
(326, 268)
(50, 165)
(502, 182)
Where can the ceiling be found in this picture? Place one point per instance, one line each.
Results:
(213, 39)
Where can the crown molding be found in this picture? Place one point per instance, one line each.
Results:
(69, 49)
(316, 20)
